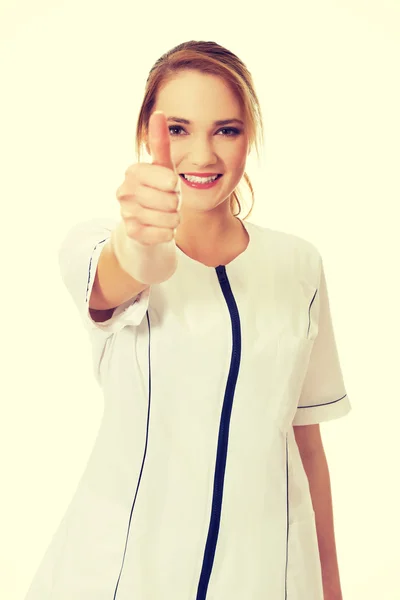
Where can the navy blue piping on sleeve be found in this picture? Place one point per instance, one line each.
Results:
(309, 310)
(324, 404)
(211, 543)
(90, 266)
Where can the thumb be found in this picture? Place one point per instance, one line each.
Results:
(159, 140)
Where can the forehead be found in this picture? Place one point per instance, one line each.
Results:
(198, 96)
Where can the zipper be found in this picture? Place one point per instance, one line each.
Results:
(222, 450)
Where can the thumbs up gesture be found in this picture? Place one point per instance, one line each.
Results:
(149, 197)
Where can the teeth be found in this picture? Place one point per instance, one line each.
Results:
(195, 179)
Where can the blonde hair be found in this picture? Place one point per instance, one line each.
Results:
(208, 58)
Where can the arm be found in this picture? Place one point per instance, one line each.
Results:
(112, 286)
(309, 442)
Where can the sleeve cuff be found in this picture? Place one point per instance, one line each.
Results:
(312, 415)
(130, 312)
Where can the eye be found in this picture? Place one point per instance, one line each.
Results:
(174, 127)
(234, 131)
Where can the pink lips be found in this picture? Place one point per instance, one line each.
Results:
(201, 186)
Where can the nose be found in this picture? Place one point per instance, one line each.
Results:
(201, 152)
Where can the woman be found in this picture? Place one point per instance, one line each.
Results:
(213, 344)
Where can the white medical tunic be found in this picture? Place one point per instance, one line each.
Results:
(195, 488)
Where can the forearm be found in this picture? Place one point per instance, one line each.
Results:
(317, 471)
(148, 264)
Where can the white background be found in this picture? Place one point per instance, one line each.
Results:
(72, 80)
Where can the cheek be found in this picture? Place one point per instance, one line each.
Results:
(235, 159)
(237, 166)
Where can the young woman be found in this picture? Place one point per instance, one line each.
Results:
(213, 344)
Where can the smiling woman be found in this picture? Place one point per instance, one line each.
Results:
(201, 147)
(215, 377)
(219, 65)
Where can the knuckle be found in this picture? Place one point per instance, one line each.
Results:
(131, 169)
(127, 213)
(124, 191)
(169, 202)
(120, 191)
(177, 199)
(131, 229)
(173, 181)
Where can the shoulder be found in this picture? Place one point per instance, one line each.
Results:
(287, 247)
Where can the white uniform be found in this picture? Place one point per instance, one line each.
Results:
(195, 487)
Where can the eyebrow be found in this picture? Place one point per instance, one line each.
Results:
(224, 122)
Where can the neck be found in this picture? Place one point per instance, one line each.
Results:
(212, 240)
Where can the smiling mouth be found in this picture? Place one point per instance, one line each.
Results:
(201, 184)
(218, 175)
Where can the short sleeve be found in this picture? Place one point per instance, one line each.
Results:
(78, 257)
(323, 396)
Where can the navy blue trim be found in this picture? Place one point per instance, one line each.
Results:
(211, 543)
(143, 461)
(90, 265)
(325, 404)
(309, 311)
